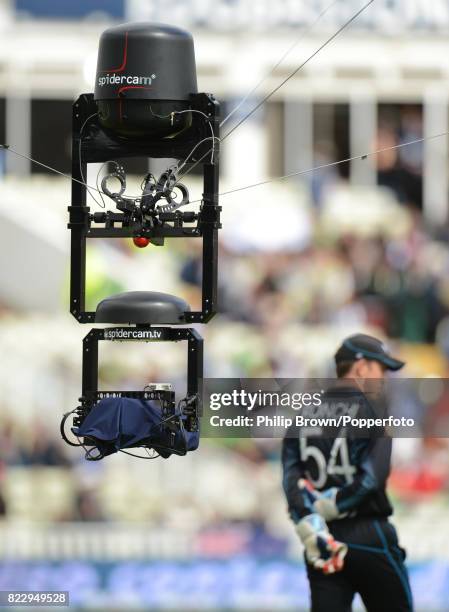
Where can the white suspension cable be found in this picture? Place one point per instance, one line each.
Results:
(305, 31)
(331, 164)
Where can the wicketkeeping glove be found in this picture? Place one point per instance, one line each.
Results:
(322, 551)
(323, 502)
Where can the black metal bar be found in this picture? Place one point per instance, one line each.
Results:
(127, 232)
(78, 217)
(210, 217)
(86, 317)
(195, 368)
(90, 363)
(145, 395)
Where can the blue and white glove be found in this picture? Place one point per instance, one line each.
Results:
(324, 503)
(322, 551)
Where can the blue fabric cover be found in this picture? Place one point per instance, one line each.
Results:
(122, 422)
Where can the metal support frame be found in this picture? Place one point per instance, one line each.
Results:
(91, 144)
(142, 333)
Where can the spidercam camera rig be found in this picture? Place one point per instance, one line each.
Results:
(145, 104)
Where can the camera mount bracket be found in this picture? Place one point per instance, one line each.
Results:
(91, 395)
(91, 143)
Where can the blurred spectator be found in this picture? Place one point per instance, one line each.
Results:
(43, 449)
(401, 169)
(87, 506)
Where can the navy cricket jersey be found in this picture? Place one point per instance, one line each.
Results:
(358, 463)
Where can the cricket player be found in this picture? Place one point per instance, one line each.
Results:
(335, 488)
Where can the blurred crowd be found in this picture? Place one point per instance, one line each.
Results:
(366, 262)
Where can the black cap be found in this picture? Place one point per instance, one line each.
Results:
(362, 346)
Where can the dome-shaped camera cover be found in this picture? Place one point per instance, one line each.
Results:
(145, 71)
